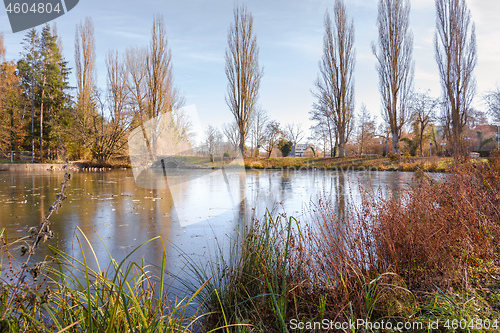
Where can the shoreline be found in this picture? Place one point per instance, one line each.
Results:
(411, 164)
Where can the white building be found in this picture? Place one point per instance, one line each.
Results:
(299, 150)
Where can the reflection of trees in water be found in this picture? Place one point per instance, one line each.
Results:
(396, 186)
(243, 219)
(286, 184)
(114, 214)
(340, 186)
(93, 196)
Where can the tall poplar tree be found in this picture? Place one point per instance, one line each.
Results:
(242, 71)
(335, 85)
(456, 56)
(395, 64)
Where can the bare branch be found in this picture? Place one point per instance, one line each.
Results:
(455, 44)
(242, 71)
(394, 64)
(335, 86)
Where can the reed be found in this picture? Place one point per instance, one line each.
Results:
(71, 296)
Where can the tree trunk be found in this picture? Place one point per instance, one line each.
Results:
(332, 146)
(242, 144)
(395, 143)
(41, 121)
(421, 141)
(342, 147)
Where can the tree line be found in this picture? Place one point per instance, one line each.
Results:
(40, 110)
(333, 112)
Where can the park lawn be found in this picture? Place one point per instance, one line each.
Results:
(433, 164)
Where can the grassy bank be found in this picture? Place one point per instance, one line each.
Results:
(434, 164)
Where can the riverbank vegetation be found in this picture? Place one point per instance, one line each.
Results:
(435, 164)
(429, 254)
(407, 164)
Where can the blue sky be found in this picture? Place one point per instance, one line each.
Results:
(289, 35)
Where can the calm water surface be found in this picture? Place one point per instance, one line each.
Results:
(116, 215)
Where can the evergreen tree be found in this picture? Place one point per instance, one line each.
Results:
(28, 68)
(54, 102)
(44, 78)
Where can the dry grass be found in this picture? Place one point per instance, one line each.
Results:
(433, 164)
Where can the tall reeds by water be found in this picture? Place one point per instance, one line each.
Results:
(71, 296)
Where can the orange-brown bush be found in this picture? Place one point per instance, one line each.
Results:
(434, 235)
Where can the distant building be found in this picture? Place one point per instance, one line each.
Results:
(299, 150)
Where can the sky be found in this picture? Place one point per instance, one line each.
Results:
(290, 37)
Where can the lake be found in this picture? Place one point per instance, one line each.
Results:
(117, 215)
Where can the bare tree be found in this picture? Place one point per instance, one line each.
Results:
(109, 138)
(294, 133)
(257, 132)
(213, 141)
(85, 57)
(423, 108)
(493, 101)
(324, 127)
(366, 129)
(117, 88)
(231, 132)
(273, 134)
(135, 60)
(455, 44)
(321, 136)
(103, 117)
(151, 83)
(335, 86)
(384, 132)
(162, 95)
(242, 71)
(395, 65)
(183, 126)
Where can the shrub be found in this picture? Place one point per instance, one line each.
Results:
(285, 147)
(256, 165)
(393, 157)
(433, 233)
